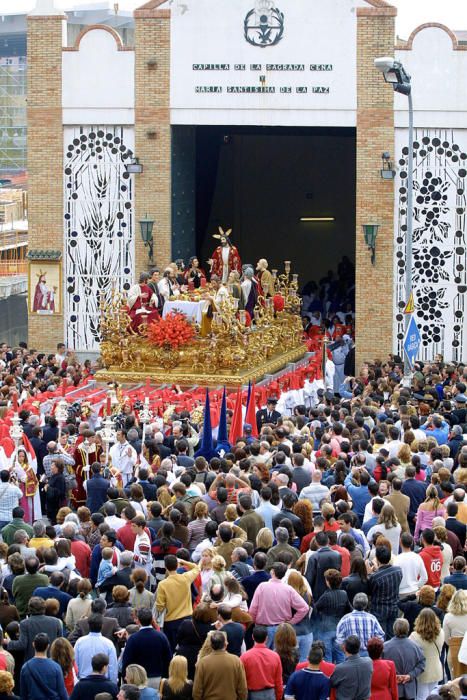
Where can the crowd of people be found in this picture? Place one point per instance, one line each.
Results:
(322, 556)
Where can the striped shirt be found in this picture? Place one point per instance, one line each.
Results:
(384, 590)
(363, 624)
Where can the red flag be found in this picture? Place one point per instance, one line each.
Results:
(236, 427)
(251, 412)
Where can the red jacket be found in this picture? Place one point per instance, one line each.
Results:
(433, 560)
(82, 554)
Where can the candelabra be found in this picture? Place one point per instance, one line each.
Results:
(61, 414)
(108, 435)
(145, 417)
(16, 431)
(87, 449)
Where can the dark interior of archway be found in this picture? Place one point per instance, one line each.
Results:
(261, 181)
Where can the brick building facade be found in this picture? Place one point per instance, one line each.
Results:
(138, 117)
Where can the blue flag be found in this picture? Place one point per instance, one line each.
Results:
(207, 448)
(223, 444)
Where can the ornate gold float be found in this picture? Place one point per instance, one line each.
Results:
(231, 354)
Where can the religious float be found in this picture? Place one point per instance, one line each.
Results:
(204, 338)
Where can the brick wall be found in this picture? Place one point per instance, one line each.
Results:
(375, 197)
(152, 114)
(45, 157)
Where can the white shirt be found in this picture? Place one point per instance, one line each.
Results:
(120, 458)
(114, 522)
(414, 574)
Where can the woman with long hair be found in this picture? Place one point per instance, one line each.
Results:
(218, 570)
(85, 524)
(428, 510)
(63, 653)
(264, 540)
(177, 686)
(388, 526)
(304, 510)
(197, 527)
(328, 512)
(235, 596)
(137, 499)
(357, 580)
(136, 675)
(429, 636)
(192, 634)
(446, 592)
(455, 620)
(140, 596)
(80, 606)
(206, 568)
(166, 544)
(285, 644)
(383, 680)
(303, 628)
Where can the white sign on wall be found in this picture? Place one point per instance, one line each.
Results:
(269, 62)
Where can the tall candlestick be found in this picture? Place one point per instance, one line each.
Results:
(63, 386)
(108, 409)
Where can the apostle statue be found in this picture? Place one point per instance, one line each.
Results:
(265, 278)
(142, 304)
(225, 258)
(250, 289)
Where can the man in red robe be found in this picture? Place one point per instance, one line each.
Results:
(86, 453)
(225, 258)
(142, 304)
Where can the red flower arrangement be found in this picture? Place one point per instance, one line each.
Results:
(171, 332)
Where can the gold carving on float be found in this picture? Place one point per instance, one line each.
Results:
(231, 353)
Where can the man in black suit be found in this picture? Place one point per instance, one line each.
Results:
(234, 630)
(268, 414)
(39, 447)
(325, 558)
(37, 622)
(453, 524)
(153, 284)
(352, 678)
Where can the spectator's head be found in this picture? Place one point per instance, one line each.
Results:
(333, 578)
(171, 562)
(375, 648)
(282, 535)
(225, 533)
(129, 692)
(260, 634)
(41, 643)
(352, 645)
(459, 564)
(383, 555)
(17, 512)
(218, 640)
(426, 595)
(360, 601)
(315, 655)
(278, 570)
(322, 540)
(95, 622)
(259, 561)
(100, 663)
(32, 565)
(98, 606)
(401, 627)
(36, 606)
(7, 683)
(4, 476)
(224, 612)
(144, 617)
(427, 537)
(407, 541)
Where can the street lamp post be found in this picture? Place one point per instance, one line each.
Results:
(395, 74)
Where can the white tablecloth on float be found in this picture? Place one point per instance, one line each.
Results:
(192, 310)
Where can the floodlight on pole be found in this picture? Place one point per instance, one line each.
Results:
(395, 74)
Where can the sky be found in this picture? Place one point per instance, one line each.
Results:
(453, 13)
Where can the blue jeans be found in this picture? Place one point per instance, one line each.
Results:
(304, 645)
(387, 623)
(271, 634)
(333, 652)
